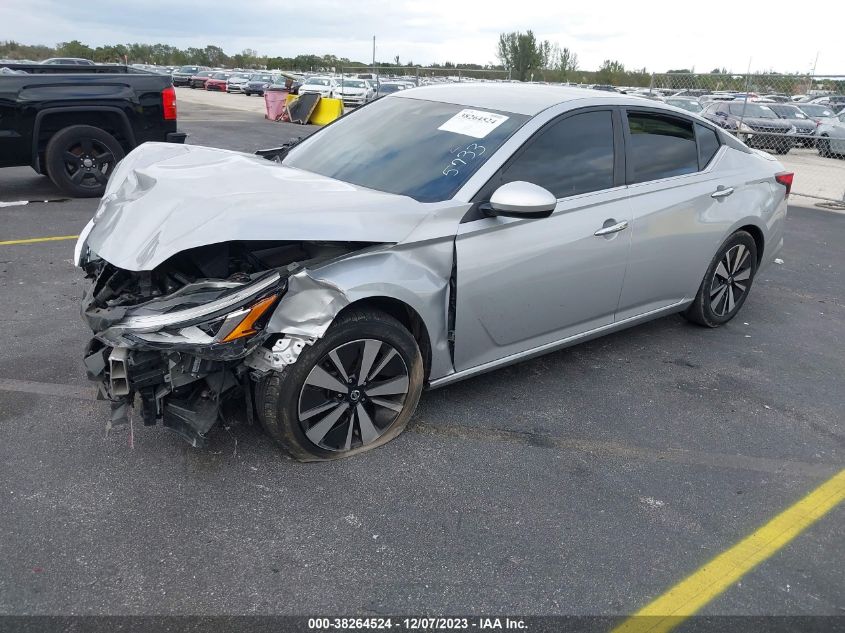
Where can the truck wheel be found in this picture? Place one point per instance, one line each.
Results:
(80, 159)
(353, 390)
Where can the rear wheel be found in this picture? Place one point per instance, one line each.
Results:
(353, 390)
(726, 283)
(80, 159)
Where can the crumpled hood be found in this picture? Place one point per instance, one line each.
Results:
(166, 198)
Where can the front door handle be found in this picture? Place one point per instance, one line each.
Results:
(613, 228)
(722, 192)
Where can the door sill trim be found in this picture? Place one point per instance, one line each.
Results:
(554, 345)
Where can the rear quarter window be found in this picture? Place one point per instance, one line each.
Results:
(708, 144)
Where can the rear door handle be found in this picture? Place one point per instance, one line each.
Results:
(722, 192)
(613, 228)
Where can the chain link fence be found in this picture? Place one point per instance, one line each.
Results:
(799, 118)
(421, 76)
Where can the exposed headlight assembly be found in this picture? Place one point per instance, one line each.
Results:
(231, 317)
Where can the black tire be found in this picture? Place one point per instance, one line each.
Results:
(247, 92)
(823, 144)
(80, 159)
(712, 307)
(280, 396)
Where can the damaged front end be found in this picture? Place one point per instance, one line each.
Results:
(194, 332)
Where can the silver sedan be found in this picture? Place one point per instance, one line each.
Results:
(434, 235)
(831, 134)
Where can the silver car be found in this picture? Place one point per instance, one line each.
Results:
(831, 141)
(433, 235)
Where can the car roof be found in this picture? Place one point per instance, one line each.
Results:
(529, 99)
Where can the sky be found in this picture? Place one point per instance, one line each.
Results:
(654, 34)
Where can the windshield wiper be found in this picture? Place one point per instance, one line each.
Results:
(277, 154)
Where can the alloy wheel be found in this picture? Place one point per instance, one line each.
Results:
(731, 280)
(88, 162)
(353, 395)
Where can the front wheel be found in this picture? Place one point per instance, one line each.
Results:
(823, 145)
(353, 390)
(726, 283)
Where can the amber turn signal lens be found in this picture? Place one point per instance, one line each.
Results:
(246, 327)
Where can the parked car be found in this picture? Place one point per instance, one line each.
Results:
(705, 99)
(817, 113)
(604, 88)
(690, 104)
(831, 141)
(389, 87)
(647, 94)
(324, 86)
(69, 61)
(322, 294)
(829, 99)
(754, 122)
(805, 127)
(257, 83)
(198, 80)
(236, 82)
(777, 98)
(218, 81)
(182, 76)
(355, 92)
(59, 121)
(695, 93)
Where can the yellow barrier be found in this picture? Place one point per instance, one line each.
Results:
(327, 110)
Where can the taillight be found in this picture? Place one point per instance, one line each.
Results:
(168, 103)
(785, 178)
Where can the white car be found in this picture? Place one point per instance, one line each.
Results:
(237, 82)
(323, 86)
(355, 92)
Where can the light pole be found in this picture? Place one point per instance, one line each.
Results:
(374, 53)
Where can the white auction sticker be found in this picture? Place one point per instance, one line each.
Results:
(475, 123)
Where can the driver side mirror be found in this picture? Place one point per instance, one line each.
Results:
(520, 199)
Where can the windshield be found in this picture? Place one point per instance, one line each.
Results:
(220, 76)
(354, 84)
(787, 112)
(753, 111)
(314, 81)
(816, 110)
(423, 149)
(389, 88)
(188, 69)
(261, 78)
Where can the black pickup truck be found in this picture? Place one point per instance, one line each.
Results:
(75, 123)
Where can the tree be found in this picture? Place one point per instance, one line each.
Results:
(567, 63)
(610, 72)
(521, 54)
(74, 48)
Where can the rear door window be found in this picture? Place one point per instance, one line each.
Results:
(660, 146)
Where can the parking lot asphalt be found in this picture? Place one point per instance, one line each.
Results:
(588, 481)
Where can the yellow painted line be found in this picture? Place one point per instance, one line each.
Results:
(35, 240)
(691, 594)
